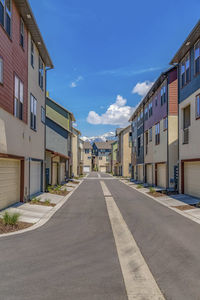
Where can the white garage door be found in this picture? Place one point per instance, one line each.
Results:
(86, 169)
(35, 177)
(161, 175)
(149, 174)
(62, 172)
(103, 169)
(9, 182)
(192, 178)
(55, 174)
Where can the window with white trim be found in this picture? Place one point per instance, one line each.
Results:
(1, 70)
(22, 33)
(41, 73)
(198, 106)
(163, 95)
(185, 70)
(146, 113)
(165, 123)
(33, 118)
(18, 98)
(5, 15)
(150, 109)
(150, 134)
(157, 133)
(197, 58)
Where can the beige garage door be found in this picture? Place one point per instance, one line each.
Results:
(62, 172)
(140, 173)
(149, 174)
(192, 178)
(55, 174)
(9, 182)
(161, 175)
(103, 169)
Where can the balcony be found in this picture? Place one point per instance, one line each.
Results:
(186, 136)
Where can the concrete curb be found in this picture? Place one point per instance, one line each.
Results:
(46, 217)
(182, 213)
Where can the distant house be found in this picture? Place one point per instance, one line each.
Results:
(58, 142)
(188, 60)
(87, 157)
(101, 151)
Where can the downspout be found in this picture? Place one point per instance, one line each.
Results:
(168, 132)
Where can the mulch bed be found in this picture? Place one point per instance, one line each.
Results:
(59, 193)
(10, 228)
(155, 194)
(184, 207)
(42, 203)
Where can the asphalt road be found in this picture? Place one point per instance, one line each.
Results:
(73, 256)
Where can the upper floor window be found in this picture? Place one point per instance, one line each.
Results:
(163, 95)
(138, 117)
(156, 100)
(32, 53)
(150, 109)
(41, 73)
(87, 151)
(146, 113)
(22, 33)
(19, 98)
(198, 106)
(150, 134)
(157, 133)
(33, 112)
(185, 70)
(5, 15)
(1, 70)
(165, 123)
(197, 58)
(141, 115)
(43, 115)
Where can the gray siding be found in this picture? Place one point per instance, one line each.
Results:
(56, 142)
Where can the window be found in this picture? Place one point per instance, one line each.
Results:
(87, 151)
(139, 146)
(89, 157)
(150, 134)
(33, 112)
(100, 158)
(147, 139)
(19, 98)
(32, 53)
(150, 109)
(157, 133)
(43, 115)
(1, 70)
(141, 115)
(5, 15)
(198, 106)
(156, 100)
(22, 33)
(185, 70)
(165, 124)
(163, 95)
(41, 73)
(146, 113)
(197, 58)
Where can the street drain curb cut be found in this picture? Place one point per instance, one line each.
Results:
(45, 218)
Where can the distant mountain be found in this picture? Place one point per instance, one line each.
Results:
(101, 138)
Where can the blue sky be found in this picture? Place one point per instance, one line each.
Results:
(102, 49)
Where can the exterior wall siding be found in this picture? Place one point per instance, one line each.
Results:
(55, 142)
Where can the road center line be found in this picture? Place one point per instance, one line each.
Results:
(99, 176)
(138, 279)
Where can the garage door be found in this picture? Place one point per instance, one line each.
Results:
(55, 174)
(161, 175)
(140, 173)
(149, 174)
(35, 177)
(191, 178)
(62, 172)
(103, 169)
(9, 182)
(86, 169)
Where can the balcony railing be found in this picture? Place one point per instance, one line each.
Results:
(186, 136)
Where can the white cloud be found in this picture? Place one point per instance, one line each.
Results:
(74, 83)
(141, 88)
(117, 113)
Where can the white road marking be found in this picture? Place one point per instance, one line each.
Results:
(99, 176)
(106, 191)
(139, 281)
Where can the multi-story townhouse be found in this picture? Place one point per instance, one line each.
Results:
(80, 156)
(101, 151)
(58, 142)
(87, 158)
(133, 121)
(114, 146)
(124, 154)
(161, 131)
(75, 151)
(22, 99)
(188, 60)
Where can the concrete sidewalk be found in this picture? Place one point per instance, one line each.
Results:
(172, 201)
(33, 213)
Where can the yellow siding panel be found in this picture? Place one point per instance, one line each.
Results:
(57, 118)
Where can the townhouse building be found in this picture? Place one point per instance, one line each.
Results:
(58, 143)
(80, 156)
(75, 152)
(24, 60)
(133, 121)
(188, 60)
(114, 147)
(159, 146)
(87, 157)
(124, 151)
(101, 151)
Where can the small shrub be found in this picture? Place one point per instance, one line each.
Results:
(139, 186)
(152, 190)
(11, 219)
(47, 202)
(49, 188)
(34, 200)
